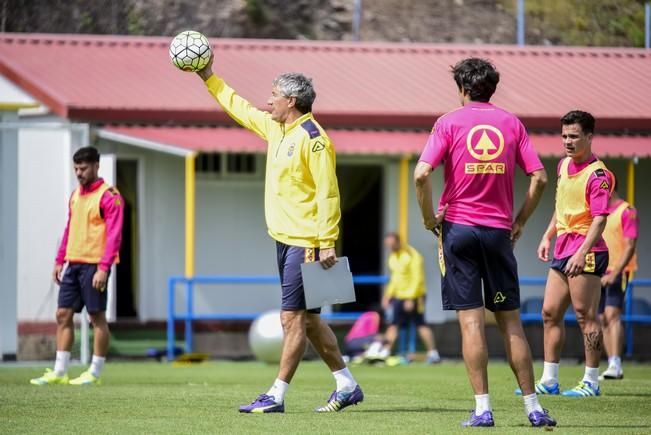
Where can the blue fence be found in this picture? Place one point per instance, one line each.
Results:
(629, 317)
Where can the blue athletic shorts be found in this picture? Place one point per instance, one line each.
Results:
(596, 263)
(400, 317)
(77, 291)
(290, 259)
(613, 295)
(476, 255)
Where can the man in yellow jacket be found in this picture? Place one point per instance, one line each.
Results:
(404, 296)
(302, 213)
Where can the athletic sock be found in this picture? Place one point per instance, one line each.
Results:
(278, 390)
(531, 404)
(482, 404)
(615, 362)
(434, 354)
(61, 363)
(550, 374)
(345, 381)
(96, 365)
(592, 375)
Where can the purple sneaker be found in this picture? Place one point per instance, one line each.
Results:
(539, 419)
(263, 404)
(339, 400)
(483, 420)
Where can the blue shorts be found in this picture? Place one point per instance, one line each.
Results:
(613, 295)
(400, 317)
(596, 263)
(475, 255)
(290, 259)
(77, 291)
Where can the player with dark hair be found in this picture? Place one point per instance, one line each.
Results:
(480, 145)
(580, 254)
(302, 214)
(621, 233)
(90, 245)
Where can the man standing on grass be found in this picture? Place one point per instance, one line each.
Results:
(580, 254)
(622, 229)
(479, 146)
(90, 245)
(302, 213)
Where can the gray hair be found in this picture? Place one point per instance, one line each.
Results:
(298, 86)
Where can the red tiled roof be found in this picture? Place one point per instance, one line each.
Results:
(116, 78)
(225, 139)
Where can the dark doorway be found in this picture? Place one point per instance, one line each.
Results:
(361, 230)
(126, 270)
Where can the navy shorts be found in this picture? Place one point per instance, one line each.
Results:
(77, 291)
(400, 317)
(613, 295)
(596, 263)
(290, 259)
(476, 255)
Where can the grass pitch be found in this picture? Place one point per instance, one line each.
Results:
(152, 398)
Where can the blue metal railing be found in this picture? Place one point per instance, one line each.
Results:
(189, 316)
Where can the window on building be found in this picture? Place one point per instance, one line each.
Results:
(228, 165)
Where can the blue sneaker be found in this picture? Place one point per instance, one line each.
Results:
(263, 404)
(584, 389)
(339, 400)
(483, 420)
(542, 389)
(540, 419)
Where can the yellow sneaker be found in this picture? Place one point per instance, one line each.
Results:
(86, 378)
(49, 378)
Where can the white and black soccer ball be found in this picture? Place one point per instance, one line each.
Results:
(190, 51)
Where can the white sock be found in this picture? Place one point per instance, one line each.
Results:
(96, 365)
(482, 404)
(592, 375)
(61, 362)
(278, 390)
(615, 362)
(345, 380)
(433, 354)
(531, 404)
(550, 374)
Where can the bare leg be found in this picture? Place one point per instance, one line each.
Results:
(65, 329)
(101, 334)
(475, 352)
(293, 344)
(557, 299)
(517, 349)
(391, 335)
(427, 336)
(585, 291)
(324, 342)
(613, 330)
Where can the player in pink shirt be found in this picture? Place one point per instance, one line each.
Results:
(580, 254)
(479, 146)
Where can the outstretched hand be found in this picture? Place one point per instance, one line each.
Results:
(206, 72)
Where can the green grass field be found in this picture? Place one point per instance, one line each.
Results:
(157, 398)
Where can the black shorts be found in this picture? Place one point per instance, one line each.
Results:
(400, 317)
(290, 259)
(613, 295)
(77, 291)
(473, 255)
(596, 263)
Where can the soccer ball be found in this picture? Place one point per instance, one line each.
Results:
(190, 51)
(266, 337)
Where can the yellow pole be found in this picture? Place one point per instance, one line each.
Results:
(403, 199)
(630, 182)
(189, 214)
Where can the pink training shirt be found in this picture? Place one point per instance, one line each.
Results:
(567, 244)
(479, 145)
(112, 218)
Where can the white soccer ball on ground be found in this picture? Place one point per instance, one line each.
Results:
(266, 337)
(190, 51)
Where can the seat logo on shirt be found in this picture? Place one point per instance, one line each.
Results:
(481, 145)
